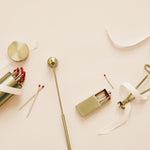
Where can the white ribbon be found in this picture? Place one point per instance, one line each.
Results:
(11, 90)
(124, 116)
(124, 44)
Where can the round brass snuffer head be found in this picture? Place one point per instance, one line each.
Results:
(52, 62)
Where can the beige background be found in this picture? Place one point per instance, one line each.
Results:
(74, 32)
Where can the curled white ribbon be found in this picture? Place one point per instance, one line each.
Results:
(125, 113)
(11, 90)
(125, 44)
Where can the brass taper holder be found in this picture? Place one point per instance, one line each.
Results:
(127, 100)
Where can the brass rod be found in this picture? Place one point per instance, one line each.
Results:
(136, 87)
(62, 114)
(60, 103)
(140, 93)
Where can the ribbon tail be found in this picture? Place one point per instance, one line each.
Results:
(121, 44)
(11, 90)
(117, 122)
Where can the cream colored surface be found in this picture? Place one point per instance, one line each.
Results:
(74, 33)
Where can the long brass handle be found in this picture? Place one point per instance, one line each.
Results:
(66, 132)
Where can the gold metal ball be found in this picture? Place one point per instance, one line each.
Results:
(52, 62)
(18, 51)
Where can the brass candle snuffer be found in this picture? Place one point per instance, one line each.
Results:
(52, 62)
(128, 99)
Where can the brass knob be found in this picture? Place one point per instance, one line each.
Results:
(52, 62)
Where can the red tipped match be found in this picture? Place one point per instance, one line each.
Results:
(43, 86)
(24, 73)
(17, 74)
(22, 76)
(17, 71)
(108, 81)
(39, 85)
(21, 70)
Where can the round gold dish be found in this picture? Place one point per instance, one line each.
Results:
(18, 51)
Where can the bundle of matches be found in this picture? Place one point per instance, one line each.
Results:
(10, 84)
(19, 75)
(34, 97)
